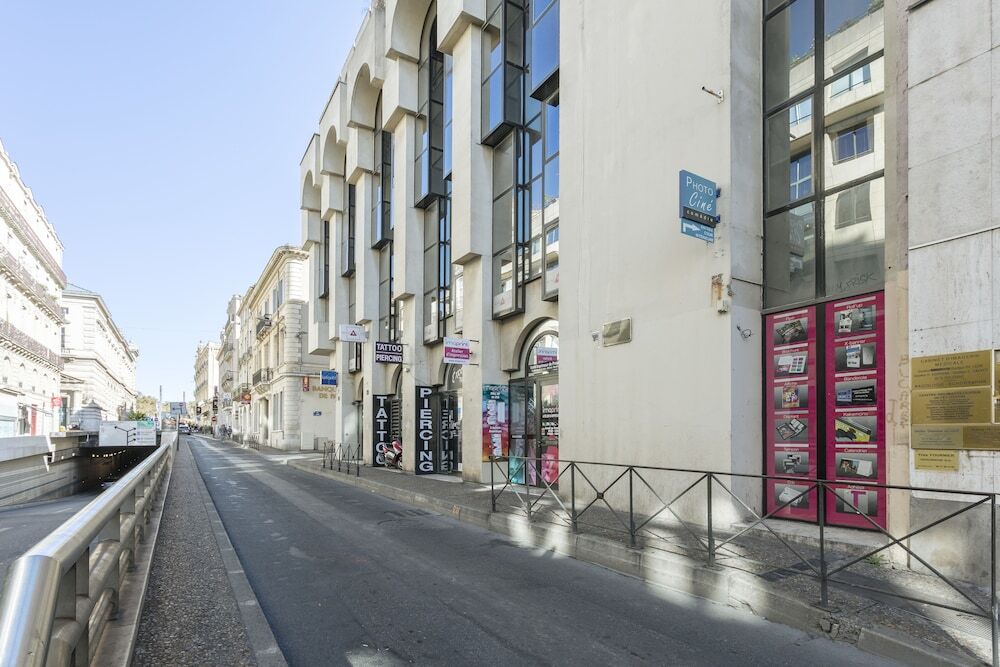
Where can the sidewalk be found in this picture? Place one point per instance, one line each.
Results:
(756, 573)
(191, 615)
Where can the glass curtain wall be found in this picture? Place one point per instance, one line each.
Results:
(526, 152)
(824, 128)
(433, 178)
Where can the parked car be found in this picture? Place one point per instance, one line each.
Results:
(184, 429)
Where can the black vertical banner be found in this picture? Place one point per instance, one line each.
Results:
(380, 441)
(425, 431)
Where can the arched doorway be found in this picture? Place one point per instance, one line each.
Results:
(534, 405)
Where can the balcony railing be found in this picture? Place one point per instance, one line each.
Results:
(263, 324)
(24, 230)
(262, 376)
(11, 333)
(10, 264)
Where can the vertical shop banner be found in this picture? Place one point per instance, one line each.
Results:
(449, 437)
(855, 412)
(496, 428)
(380, 417)
(425, 432)
(550, 433)
(791, 400)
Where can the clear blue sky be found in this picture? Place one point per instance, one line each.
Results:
(163, 140)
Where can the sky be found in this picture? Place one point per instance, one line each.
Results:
(163, 140)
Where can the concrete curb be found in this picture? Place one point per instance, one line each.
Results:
(265, 646)
(673, 571)
(119, 636)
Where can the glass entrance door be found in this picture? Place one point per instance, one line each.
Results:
(449, 438)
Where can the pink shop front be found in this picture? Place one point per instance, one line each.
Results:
(824, 410)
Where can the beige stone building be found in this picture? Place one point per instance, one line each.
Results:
(99, 359)
(31, 281)
(275, 370)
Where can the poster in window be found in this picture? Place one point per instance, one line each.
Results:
(855, 410)
(791, 433)
(496, 429)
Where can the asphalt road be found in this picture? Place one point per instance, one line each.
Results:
(23, 526)
(348, 577)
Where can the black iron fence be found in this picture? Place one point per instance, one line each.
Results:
(638, 501)
(343, 457)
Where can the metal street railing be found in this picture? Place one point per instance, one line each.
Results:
(568, 491)
(344, 456)
(61, 593)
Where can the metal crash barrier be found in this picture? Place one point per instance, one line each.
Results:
(60, 594)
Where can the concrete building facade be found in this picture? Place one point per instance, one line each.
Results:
(206, 383)
(100, 361)
(31, 281)
(277, 377)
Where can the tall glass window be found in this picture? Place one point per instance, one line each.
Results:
(503, 68)
(526, 173)
(824, 152)
(382, 182)
(348, 231)
(433, 88)
(324, 249)
(434, 166)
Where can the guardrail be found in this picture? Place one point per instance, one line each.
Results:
(540, 489)
(61, 593)
(345, 456)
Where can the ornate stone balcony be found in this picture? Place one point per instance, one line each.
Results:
(24, 231)
(34, 288)
(18, 338)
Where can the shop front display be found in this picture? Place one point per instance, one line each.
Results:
(825, 411)
(855, 409)
(791, 400)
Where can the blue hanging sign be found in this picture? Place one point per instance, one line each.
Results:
(698, 231)
(328, 378)
(698, 199)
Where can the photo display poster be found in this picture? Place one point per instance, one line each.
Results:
(855, 410)
(791, 412)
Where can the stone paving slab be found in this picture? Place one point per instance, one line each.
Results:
(190, 616)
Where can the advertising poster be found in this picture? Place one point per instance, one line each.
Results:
(550, 433)
(791, 428)
(855, 412)
(425, 432)
(496, 428)
(380, 415)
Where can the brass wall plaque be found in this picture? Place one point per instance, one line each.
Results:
(936, 437)
(953, 406)
(948, 371)
(981, 436)
(936, 459)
